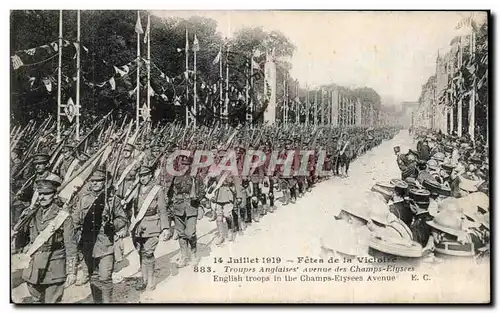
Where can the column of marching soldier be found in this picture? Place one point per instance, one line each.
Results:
(132, 194)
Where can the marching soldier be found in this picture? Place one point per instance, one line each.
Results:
(28, 195)
(75, 164)
(187, 192)
(149, 222)
(96, 224)
(224, 197)
(53, 251)
(128, 167)
(66, 159)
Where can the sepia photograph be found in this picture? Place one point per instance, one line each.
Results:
(249, 156)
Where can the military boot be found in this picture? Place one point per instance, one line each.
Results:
(230, 228)
(96, 292)
(255, 211)
(151, 284)
(286, 197)
(248, 216)
(184, 261)
(241, 220)
(220, 230)
(195, 259)
(141, 282)
(107, 292)
(293, 194)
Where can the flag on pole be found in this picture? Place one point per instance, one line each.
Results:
(148, 29)
(196, 44)
(138, 25)
(217, 58)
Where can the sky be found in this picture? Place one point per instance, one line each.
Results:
(391, 52)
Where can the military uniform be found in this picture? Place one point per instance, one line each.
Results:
(55, 259)
(96, 223)
(224, 200)
(187, 192)
(149, 220)
(129, 169)
(27, 196)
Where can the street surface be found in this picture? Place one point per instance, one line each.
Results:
(290, 232)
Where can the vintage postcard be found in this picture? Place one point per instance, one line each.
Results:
(249, 156)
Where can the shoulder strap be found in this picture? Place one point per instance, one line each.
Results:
(45, 235)
(145, 205)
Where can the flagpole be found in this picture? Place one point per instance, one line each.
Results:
(194, 82)
(137, 92)
(187, 76)
(226, 102)
(307, 104)
(249, 115)
(220, 82)
(77, 135)
(59, 69)
(472, 101)
(297, 107)
(148, 30)
(285, 104)
(315, 107)
(460, 105)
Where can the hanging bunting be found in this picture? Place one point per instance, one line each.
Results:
(16, 61)
(131, 92)
(31, 81)
(48, 84)
(46, 47)
(177, 101)
(54, 46)
(112, 83)
(151, 91)
(30, 51)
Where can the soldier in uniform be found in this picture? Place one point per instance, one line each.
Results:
(282, 176)
(149, 222)
(75, 164)
(225, 199)
(187, 193)
(96, 223)
(53, 250)
(28, 195)
(128, 170)
(152, 156)
(66, 159)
